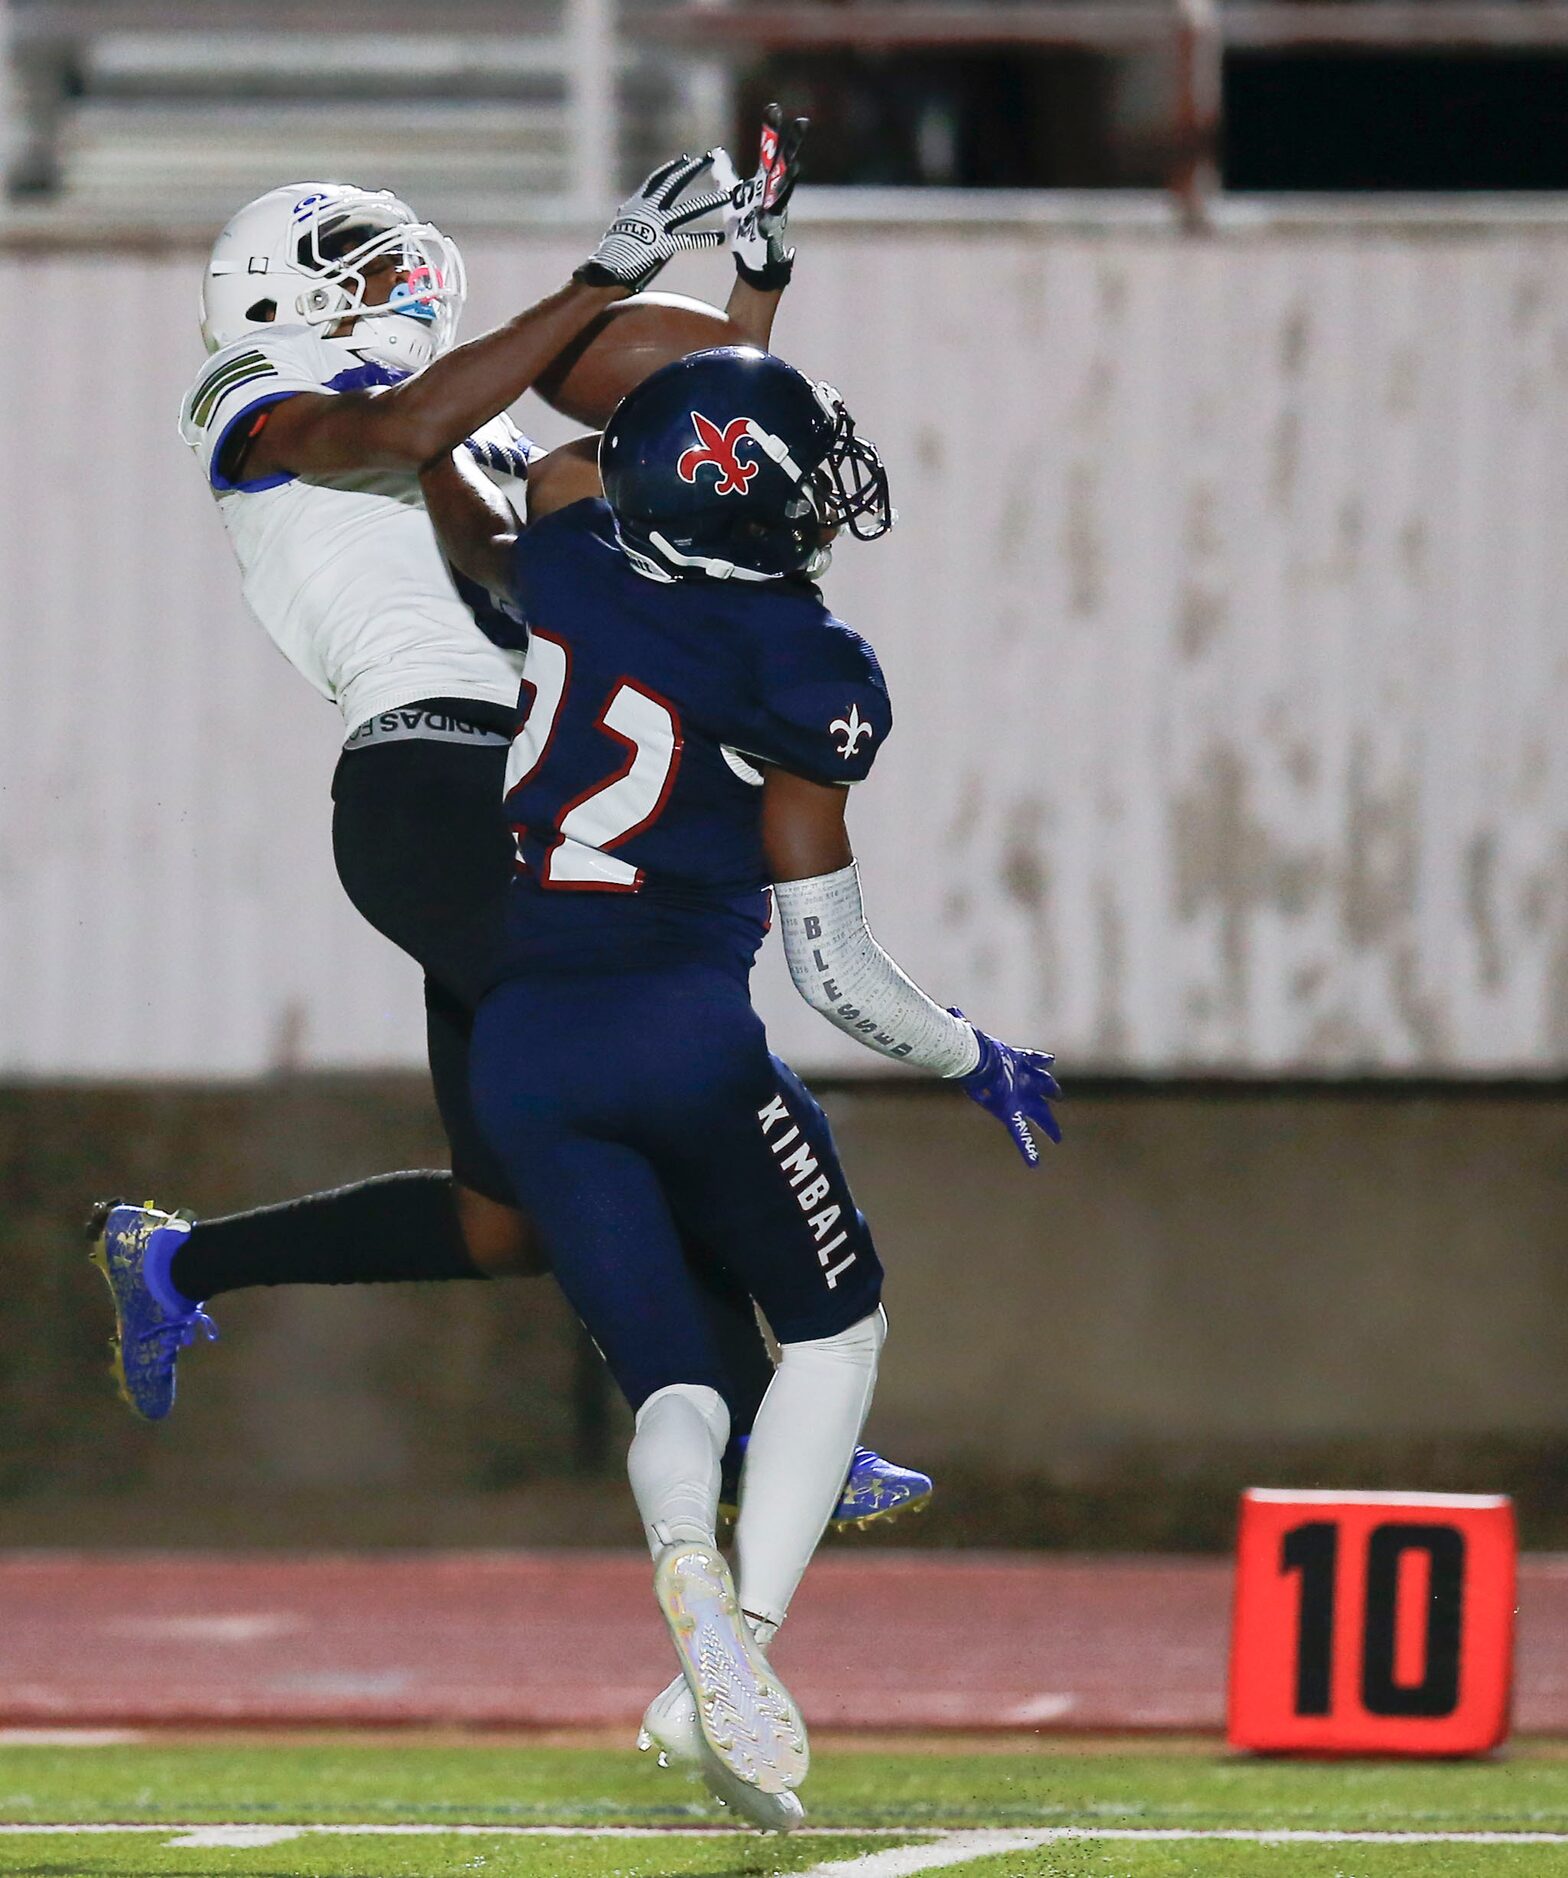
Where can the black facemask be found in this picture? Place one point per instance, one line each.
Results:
(849, 486)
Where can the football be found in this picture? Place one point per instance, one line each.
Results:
(623, 345)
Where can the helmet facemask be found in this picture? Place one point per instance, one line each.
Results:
(848, 487)
(343, 245)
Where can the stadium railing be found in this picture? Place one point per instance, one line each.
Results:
(540, 109)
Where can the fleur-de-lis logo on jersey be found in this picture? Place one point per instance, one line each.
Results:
(718, 447)
(854, 727)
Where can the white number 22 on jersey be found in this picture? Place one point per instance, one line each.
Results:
(614, 810)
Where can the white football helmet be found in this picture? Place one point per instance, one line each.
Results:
(299, 254)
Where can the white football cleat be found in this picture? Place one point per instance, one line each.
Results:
(670, 1724)
(772, 1812)
(747, 1718)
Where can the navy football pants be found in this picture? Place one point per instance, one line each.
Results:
(634, 1112)
(424, 852)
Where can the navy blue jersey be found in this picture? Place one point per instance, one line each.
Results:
(633, 788)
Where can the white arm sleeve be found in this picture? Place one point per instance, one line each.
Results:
(841, 971)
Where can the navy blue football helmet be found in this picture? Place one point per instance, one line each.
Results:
(730, 464)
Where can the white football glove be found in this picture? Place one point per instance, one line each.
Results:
(651, 227)
(756, 212)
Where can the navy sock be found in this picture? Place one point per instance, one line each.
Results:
(389, 1230)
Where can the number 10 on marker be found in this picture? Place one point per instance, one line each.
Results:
(1372, 1623)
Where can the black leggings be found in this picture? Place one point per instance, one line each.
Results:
(423, 852)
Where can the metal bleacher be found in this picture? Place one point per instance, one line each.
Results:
(164, 113)
(129, 111)
(129, 140)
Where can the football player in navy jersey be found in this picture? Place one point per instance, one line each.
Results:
(693, 714)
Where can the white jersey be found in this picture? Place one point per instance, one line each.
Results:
(343, 571)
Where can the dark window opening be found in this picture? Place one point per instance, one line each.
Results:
(1396, 121)
(975, 120)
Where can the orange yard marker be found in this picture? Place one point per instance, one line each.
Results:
(1372, 1623)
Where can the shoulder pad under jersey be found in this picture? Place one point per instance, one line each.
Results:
(238, 383)
(823, 707)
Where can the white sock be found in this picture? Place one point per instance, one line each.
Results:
(797, 1458)
(674, 1464)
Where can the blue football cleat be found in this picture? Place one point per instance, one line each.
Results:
(876, 1489)
(133, 1246)
(879, 1489)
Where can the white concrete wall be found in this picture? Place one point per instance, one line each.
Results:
(1222, 626)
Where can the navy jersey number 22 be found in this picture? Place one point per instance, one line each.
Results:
(592, 825)
(648, 708)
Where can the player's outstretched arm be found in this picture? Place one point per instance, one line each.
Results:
(567, 474)
(408, 424)
(475, 524)
(756, 223)
(841, 971)
(320, 433)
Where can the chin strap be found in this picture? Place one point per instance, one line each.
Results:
(711, 565)
(714, 568)
(398, 338)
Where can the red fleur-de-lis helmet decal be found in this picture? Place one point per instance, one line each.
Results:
(718, 447)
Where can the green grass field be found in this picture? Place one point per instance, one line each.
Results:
(872, 1814)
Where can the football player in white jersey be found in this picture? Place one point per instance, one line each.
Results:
(330, 311)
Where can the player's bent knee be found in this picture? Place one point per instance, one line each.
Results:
(674, 1462)
(708, 1403)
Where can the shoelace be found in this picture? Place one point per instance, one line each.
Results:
(183, 1329)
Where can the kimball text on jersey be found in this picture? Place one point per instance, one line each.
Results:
(800, 1168)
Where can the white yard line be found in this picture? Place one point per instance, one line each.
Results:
(901, 1861)
(943, 1847)
(964, 1848)
(188, 1835)
(236, 1835)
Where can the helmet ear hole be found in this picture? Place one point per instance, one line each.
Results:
(262, 311)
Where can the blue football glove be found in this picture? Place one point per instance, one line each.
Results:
(1016, 1086)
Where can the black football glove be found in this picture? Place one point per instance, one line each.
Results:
(651, 227)
(756, 214)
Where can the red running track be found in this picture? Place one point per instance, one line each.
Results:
(553, 1639)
